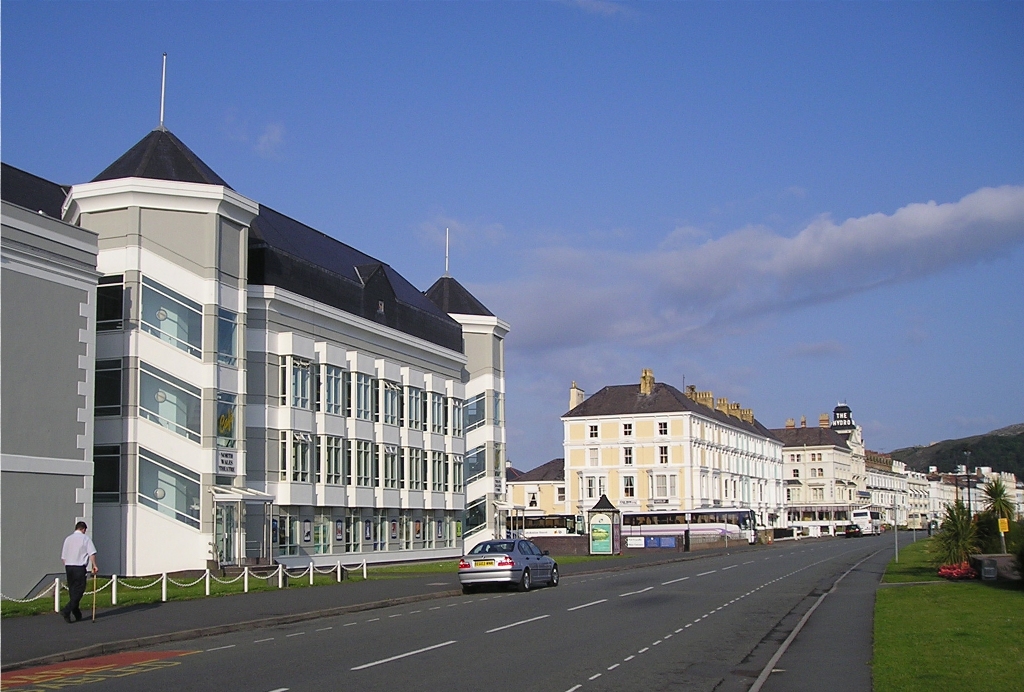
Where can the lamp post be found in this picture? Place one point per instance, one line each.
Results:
(967, 470)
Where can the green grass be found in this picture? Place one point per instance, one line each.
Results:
(918, 562)
(967, 635)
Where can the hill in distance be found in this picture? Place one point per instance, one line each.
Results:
(1001, 449)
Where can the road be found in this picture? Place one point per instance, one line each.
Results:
(708, 624)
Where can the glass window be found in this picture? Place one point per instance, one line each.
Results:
(106, 481)
(290, 531)
(108, 388)
(300, 457)
(227, 337)
(457, 484)
(170, 402)
(591, 487)
(110, 303)
(627, 456)
(226, 415)
(661, 485)
(415, 410)
(476, 463)
(334, 391)
(474, 413)
(168, 488)
(456, 417)
(417, 469)
(439, 472)
(172, 317)
(283, 456)
(301, 377)
(392, 397)
(663, 455)
(663, 428)
(332, 459)
(498, 408)
(437, 413)
(627, 429)
(628, 486)
(592, 454)
(364, 397)
(364, 463)
(391, 473)
(560, 493)
(322, 532)
(592, 431)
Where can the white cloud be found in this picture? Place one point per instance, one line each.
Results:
(571, 296)
(269, 143)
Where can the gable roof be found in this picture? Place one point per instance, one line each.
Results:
(512, 474)
(452, 297)
(162, 156)
(554, 470)
(810, 437)
(625, 399)
(32, 192)
(289, 254)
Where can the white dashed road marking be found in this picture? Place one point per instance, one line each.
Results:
(516, 624)
(586, 605)
(673, 581)
(633, 593)
(405, 655)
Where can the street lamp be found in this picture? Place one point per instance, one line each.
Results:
(967, 468)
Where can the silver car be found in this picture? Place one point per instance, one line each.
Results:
(513, 561)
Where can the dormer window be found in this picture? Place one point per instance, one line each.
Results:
(380, 307)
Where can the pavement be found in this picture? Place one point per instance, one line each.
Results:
(47, 639)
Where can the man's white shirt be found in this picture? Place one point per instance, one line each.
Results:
(77, 549)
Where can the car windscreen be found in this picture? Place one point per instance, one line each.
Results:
(493, 547)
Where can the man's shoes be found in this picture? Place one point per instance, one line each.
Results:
(66, 616)
(78, 617)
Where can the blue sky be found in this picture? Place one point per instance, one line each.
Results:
(789, 204)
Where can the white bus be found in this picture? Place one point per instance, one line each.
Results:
(869, 522)
(737, 524)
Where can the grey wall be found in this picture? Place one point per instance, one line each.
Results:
(39, 513)
(40, 370)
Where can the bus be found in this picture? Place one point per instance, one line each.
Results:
(735, 523)
(870, 522)
(550, 525)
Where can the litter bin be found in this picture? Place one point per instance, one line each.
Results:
(988, 569)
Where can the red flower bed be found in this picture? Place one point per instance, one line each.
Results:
(961, 571)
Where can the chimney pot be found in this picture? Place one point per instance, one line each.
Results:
(823, 421)
(646, 382)
(803, 421)
(790, 423)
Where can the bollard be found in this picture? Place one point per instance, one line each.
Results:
(280, 576)
(56, 595)
(364, 570)
(207, 581)
(339, 571)
(113, 589)
(245, 579)
(311, 574)
(163, 587)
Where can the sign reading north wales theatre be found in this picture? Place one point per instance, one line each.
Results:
(600, 535)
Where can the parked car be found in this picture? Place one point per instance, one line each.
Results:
(853, 531)
(515, 562)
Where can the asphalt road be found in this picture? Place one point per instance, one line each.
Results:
(709, 624)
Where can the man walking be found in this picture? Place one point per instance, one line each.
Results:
(78, 553)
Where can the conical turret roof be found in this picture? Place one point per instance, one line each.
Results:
(161, 156)
(452, 297)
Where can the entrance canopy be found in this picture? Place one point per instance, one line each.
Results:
(225, 493)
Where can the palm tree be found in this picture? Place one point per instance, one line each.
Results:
(997, 501)
(957, 537)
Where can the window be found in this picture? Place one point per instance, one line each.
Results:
(172, 317)
(110, 303)
(417, 469)
(168, 488)
(531, 500)
(627, 456)
(627, 429)
(438, 424)
(170, 402)
(660, 485)
(474, 412)
(456, 417)
(317, 384)
(560, 493)
(591, 487)
(283, 457)
(476, 463)
(332, 460)
(364, 464)
(439, 472)
(796, 473)
(817, 494)
(364, 397)
(592, 457)
(592, 431)
(322, 533)
(814, 472)
(391, 467)
(106, 480)
(301, 376)
(333, 390)
(663, 454)
(457, 482)
(628, 486)
(108, 388)
(497, 408)
(289, 535)
(663, 428)
(226, 415)
(300, 457)
(392, 395)
(227, 337)
(821, 472)
(415, 411)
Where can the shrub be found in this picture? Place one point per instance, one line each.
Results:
(960, 571)
(957, 538)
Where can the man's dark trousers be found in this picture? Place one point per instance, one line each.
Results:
(76, 586)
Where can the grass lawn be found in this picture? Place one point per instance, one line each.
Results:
(947, 636)
(917, 563)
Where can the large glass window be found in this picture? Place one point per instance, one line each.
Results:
(110, 303)
(392, 473)
(364, 397)
(415, 408)
(417, 469)
(170, 402)
(457, 484)
(226, 419)
(172, 317)
(300, 457)
(334, 393)
(498, 417)
(332, 459)
(628, 486)
(438, 414)
(106, 479)
(322, 533)
(476, 463)
(439, 472)
(364, 464)
(108, 387)
(227, 337)
(168, 488)
(301, 378)
(457, 423)
(392, 399)
(474, 412)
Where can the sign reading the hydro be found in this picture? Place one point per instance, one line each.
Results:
(600, 534)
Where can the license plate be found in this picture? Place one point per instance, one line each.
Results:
(483, 563)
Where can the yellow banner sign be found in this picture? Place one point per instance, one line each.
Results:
(1004, 525)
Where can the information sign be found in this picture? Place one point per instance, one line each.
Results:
(600, 535)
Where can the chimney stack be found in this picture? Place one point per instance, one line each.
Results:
(823, 421)
(576, 396)
(803, 421)
(790, 423)
(646, 382)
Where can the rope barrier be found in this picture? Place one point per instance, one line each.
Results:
(139, 588)
(226, 581)
(189, 585)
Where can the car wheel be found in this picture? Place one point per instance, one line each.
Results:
(554, 576)
(468, 589)
(524, 583)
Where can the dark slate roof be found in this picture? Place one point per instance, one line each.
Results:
(452, 297)
(286, 253)
(603, 504)
(625, 399)
(810, 437)
(554, 470)
(162, 156)
(32, 192)
(512, 474)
